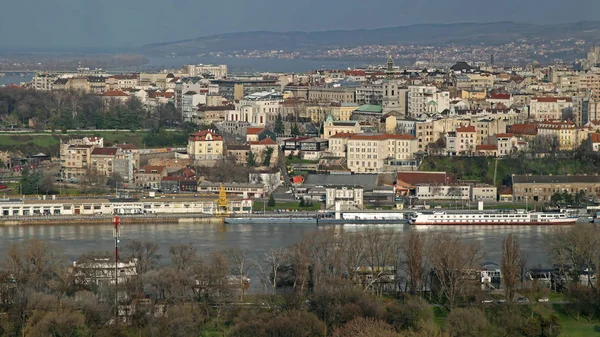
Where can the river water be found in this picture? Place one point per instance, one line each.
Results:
(74, 240)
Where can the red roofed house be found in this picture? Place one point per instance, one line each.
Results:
(554, 108)
(506, 143)
(466, 140)
(496, 99)
(406, 182)
(205, 145)
(486, 150)
(505, 194)
(594, 142)
(527, 131)
(260, 148)
(253, 133)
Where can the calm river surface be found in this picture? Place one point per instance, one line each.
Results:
(256, 238)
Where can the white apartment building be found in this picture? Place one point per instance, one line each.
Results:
(343, 198)
(258, 109)
(426, 99)
(217, 71)
(549, 108)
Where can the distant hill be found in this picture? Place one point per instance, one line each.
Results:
(423, 34)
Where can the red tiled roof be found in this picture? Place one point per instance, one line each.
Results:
(486, 147)
(524, 129)
(469, 128)
(105, 151)
(595, 137)
(499, 96)
(161, 94)
(551, 99)
(505, 191)
(254, 131)
(414, 178)
(201, 136)
(115, 93)
(504, 135)
(266, 141)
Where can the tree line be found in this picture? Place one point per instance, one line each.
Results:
(370, 283)
(70, 109)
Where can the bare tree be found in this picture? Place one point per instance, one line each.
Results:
(240, 266)
(146, 254)
(453, 262)
(511, 265)
(414, 249)
(183, 256)
(574, 250)
(274, 259)
(381, 256)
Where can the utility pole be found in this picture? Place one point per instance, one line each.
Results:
(116, 235)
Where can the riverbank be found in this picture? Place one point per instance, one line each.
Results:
(107, 219)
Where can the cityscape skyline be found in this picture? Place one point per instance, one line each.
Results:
(84, 25)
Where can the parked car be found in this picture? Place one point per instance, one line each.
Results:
(522, 300)
(543, 299)
(3, 187)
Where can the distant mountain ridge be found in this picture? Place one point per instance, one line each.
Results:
(493, 33)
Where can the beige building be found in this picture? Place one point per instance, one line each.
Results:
(332, 127)
(342, 111)
(564, 131)
(540, 188)
(371, 153)
(466, 140)
(149, 177)
(322, 94)
(103, 160)
(75, 160)
(506, 143)
(550, 108)
(205, 145)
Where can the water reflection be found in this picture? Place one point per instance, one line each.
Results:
(256, 238)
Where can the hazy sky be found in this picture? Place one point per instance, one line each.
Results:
(131, 23)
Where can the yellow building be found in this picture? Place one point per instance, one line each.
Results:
(205, 145)
(342, 111)
(473, 94)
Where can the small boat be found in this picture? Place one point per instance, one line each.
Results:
(516, 218)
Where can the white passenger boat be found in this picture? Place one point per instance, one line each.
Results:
(492, 218)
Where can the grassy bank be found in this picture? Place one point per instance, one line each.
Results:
(482, 168)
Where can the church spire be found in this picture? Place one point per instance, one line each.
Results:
(390, 68)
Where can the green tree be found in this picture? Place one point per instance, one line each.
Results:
(268, 155)
(295, 130)
(279, 127)
(30, 181)
(271, 202)
(251, 159)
